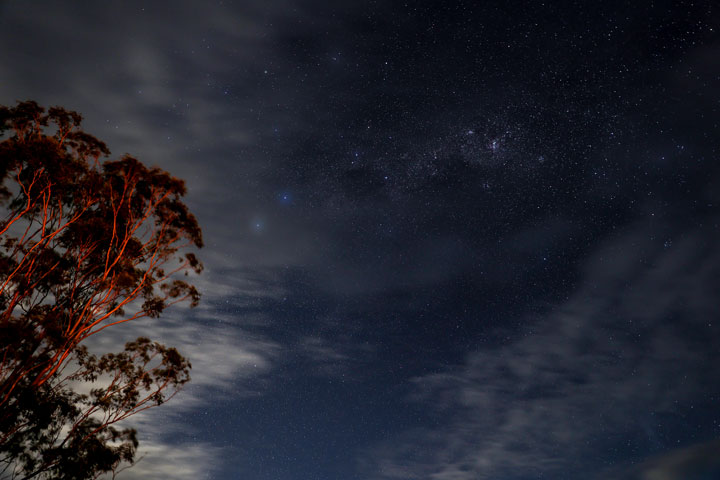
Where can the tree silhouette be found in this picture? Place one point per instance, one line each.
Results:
(84, 245)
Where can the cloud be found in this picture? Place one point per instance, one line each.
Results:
(696, 462)
(333, 356)
(189, 462)
(227, 363)
(621, 363)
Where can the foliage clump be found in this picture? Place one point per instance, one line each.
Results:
(85, 245)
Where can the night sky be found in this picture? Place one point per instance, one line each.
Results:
(444, 240)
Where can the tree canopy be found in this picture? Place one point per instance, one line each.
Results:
(85, 244)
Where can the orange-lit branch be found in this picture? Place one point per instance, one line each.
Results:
(93, 242)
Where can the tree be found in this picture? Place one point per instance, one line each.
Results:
(84, 245)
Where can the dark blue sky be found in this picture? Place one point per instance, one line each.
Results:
(444, 240)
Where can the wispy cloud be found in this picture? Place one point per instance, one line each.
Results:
(227, 363)
(699, 461)
(187, 462)
(624, 358)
